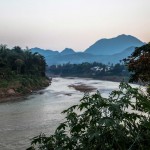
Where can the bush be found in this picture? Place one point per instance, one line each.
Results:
(3, 83)
(99, 123)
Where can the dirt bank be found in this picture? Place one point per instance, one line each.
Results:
(82, 87)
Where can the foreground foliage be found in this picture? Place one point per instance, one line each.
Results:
(121, 121)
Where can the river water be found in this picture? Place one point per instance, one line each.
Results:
(23, 119)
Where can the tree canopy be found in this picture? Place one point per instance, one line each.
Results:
(21, 71)
(139, 64)
(19, 61)
(93, 70)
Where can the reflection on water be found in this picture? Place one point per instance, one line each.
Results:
(41, 111)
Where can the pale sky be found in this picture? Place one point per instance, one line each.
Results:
(56, 24)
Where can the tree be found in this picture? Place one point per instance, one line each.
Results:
(99, 123)
(21, 61)
(19, 64)
(139, 64)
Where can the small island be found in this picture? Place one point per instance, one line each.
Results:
(21, 72)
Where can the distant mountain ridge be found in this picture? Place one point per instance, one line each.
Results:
(104, 50)
(44, 52)
(113, 45)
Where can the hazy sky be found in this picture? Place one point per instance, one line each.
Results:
(56, 24)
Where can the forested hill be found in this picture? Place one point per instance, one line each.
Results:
(20, 71)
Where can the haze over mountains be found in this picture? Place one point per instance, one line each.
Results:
(104, 50)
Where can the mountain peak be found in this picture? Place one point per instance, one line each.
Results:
(123, 35)
(113, 45)
(44, 52)
(67, 51)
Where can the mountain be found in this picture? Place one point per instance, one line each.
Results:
(44, 52)
(75, 58)
(81, 57)
(105, 51)
(113, 45)
(67, 51)
(116, 58)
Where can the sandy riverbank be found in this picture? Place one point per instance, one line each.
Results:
(82, 87)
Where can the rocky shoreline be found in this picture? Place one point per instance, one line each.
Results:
(12, 98)
(11, 93)
(17, 96)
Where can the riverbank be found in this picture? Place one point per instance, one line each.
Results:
(104, 78)
(21, 86)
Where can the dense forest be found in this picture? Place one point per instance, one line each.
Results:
(20, 71)
(90, 70)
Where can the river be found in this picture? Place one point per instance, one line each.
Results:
(23, 119)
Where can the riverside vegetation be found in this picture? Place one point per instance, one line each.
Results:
(121, 121)
(20, 71)
(94, 70)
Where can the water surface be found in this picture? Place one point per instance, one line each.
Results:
(41, 112)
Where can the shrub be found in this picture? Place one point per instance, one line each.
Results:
(99, 123)
(3, 83)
